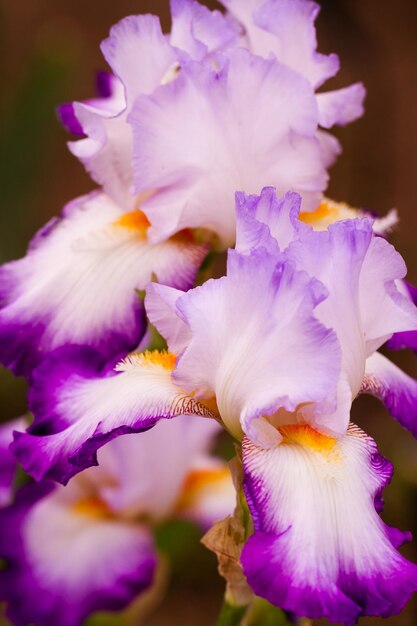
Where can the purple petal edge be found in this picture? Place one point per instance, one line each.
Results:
(27, 600)
(68, 119)
(33, 448)
(352, 594)
(376, 596)
(406, 340)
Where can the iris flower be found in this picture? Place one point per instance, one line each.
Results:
(277, 350)
(71, 551)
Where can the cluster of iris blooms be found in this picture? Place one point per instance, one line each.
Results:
(211, 138)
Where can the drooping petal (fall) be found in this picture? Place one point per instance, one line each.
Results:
(65, 558)
(78, 283)
(320, 548)
(78, 408)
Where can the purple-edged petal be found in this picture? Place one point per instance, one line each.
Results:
(407, 339)
(109, 102)
(342, 106)
(256, 344)
(78, 282)
(200, 138)
(68, 119)
(8, 462)
(398, 391)
(320, 548)
(78, 408)
(66, 558)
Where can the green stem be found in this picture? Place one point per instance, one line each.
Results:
(231, 615)
(262, 613)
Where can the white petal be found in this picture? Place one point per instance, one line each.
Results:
(320, 548)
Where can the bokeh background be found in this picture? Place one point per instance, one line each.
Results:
(49, 53)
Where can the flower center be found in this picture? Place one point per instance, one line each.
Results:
(305, 436)
(148, 358)
(199, 480)
(92, 506)
(327, 213)
(135, 221)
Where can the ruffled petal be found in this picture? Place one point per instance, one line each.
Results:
(320, 548)
(286, 29)
(78, 408)
(64, 563)
(199, 31)
(394, 388)
(106, 153)
(8, 462)
(364, 306)
(78, 282)
(361, 273)
(183, 153)
(105, 148)
(256, 344)
(139, 54)
(335, 257)
(109, 102)
(342, 106)
(142, 58)
(265, 220)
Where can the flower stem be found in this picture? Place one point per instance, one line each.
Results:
(261, 613)
(231, 615)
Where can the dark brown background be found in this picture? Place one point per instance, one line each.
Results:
(49, 53)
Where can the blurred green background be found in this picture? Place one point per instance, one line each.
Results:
(49, 53)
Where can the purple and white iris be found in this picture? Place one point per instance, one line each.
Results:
(71, 551)
(173, 96)
(155, 142)
(276, 350)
